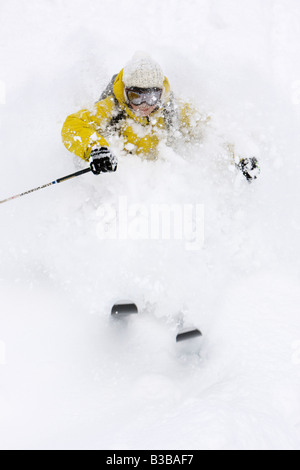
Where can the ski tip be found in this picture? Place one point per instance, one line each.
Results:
(124, 309)
(188, 334)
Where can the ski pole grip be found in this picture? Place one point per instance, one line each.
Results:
(74, 175)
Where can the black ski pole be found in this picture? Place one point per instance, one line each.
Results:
(60, 180)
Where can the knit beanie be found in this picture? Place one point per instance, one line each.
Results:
(143, 72)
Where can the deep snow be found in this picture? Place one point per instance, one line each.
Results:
(71, 378)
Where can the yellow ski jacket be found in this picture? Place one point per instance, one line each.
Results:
(88, 129)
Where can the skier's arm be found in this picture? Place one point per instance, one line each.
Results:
(192, 125)
(81, 131)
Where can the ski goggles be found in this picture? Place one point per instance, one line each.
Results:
(137, 96)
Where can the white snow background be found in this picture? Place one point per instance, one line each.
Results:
(70, 378)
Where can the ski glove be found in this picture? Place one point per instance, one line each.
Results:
(249, 167)
(102, 160)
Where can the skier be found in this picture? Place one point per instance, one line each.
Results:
(138, 106)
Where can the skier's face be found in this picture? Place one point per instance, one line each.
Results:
(143, 101)
(143, 109)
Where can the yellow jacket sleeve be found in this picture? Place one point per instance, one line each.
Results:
(192, 123)
(82, 130)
